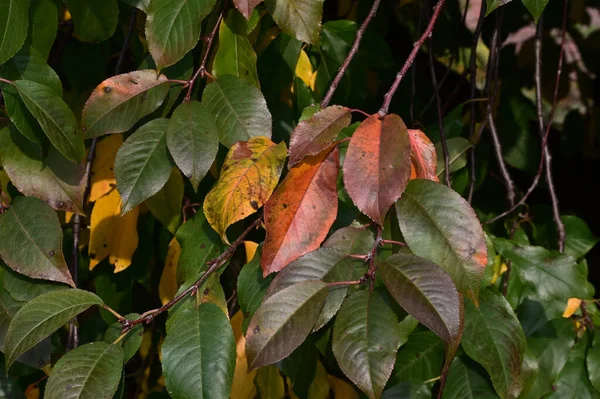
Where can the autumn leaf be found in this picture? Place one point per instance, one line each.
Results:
(112, 235)
(422, 156)
(246, 6)
(304, 70)
(243, 381)
(315, 134)
(301, 211)
(377, 165)
(103, 177)
(167, 287)
(572, 306)
(248, 177)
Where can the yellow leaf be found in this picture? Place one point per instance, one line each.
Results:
(32, 391)
(167, 203)
(572, 306)
(250, 247)
(499, 269)
(304, 68)
(68, 217)
(248, 177)
(103, 177)
(341, 389)
(112, 235)
(168, 279)
(270, 383)
(313, 80)
(243, 382)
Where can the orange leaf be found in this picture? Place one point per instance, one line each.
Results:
(32, 391)
(572, 306)
(301, 211)
(103, 177)
(422, 156)
(377, 165)
(248, 177)
(167, 287)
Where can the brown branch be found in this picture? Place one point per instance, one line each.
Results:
(351, 54)
(392, 242)
(387, 98)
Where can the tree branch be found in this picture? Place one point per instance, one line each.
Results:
(351, 54)
(387, 98)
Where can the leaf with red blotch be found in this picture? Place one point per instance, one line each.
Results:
(301, 211)
(422, 156)
(377, 165)
(315, 134)
(246, 6)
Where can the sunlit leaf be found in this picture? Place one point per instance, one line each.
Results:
(377, 165)
(304, 71)
(31, 241)
(579, 238)
(301, 211)
(119, 102)
(422, 156)
(299, 18)
(248, 177)
(572, 306)
(93, 21)
(112, 235)
(103, 177)
(166, 205)
(14, 20)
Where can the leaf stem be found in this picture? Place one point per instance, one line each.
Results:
(392, 242)
(114, 312)
(7, 81)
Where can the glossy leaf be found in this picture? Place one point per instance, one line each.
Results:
(93, 21)
(112, 235)
(420, 359)
(301, 211)
(173, 28)
(248, 177)
(198, 354)
(535, 8)
(572, 381)
(166, 205)
(440, 225)
(132, 341)
(89, 371)
(42, 31)
(14, 20)
(422, 156)
(366, 337)
(31, 241)
(317, 133)
(103, 176)
(119, 102)
(246, 6)
(425, 291)
(54, 116)
(377, 165)
(352, 240)
(252, 287)
(240, 110)
(466, 380)
(494, 338)
(579, 238)
(193, 140)
(23, 289)
(42, 316)
(283, 321)
(54, 179)
(299, 18)
(143, 166)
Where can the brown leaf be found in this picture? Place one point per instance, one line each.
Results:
(422, 156)
(301, 211)
(377, 165)
(315, 134)
(246, 6)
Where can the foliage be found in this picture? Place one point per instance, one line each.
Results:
(179, 162)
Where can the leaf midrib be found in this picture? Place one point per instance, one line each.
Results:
(8, 15)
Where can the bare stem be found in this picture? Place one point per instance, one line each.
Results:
(392, 242)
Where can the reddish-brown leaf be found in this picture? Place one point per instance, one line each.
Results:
(301, 211)
(315, 134)
(246, 6)
(422, 156)
(377, 165)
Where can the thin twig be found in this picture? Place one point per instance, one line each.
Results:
(387, 98)
(413, 83)
(392, 242)
(351, 54)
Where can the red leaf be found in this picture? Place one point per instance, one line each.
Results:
(301, 211)
(317, 133)
(377, 165)
(422, 156)
(246, 6)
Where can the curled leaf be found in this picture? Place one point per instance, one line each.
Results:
(572, 306)
(422, 156)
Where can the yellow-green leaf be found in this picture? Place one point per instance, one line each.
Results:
(243, 381)
(249, 175)
(270, 383)
(167, 288)
(167, 203)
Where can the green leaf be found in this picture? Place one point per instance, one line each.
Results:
(54, 116)
(88, 372)
(425, 291)
(235, 55)
(301, 367)
(142, 166)
(246, 7)
(420, 359)
(239, 109)
(593, 362)
(351, 239)
(173, 28)
(440, 225)
(283, 321)
(8, 309)
(535, 8)
(166, 205)
(466, 380)
(494, 338)
(366, 336)
(119, 102)
(579, 238)
(572, 382)
(193, 140)
(14, 20)
(299, 18)
(42, 316)
(22, 288)
(94, 21)
(408, 390)
(251, 287)
(31, 240)
(457, 155)
(55, 180)
(493, 4)
(43, 15)
(139, 4)
(132, 341)
(198, 354)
